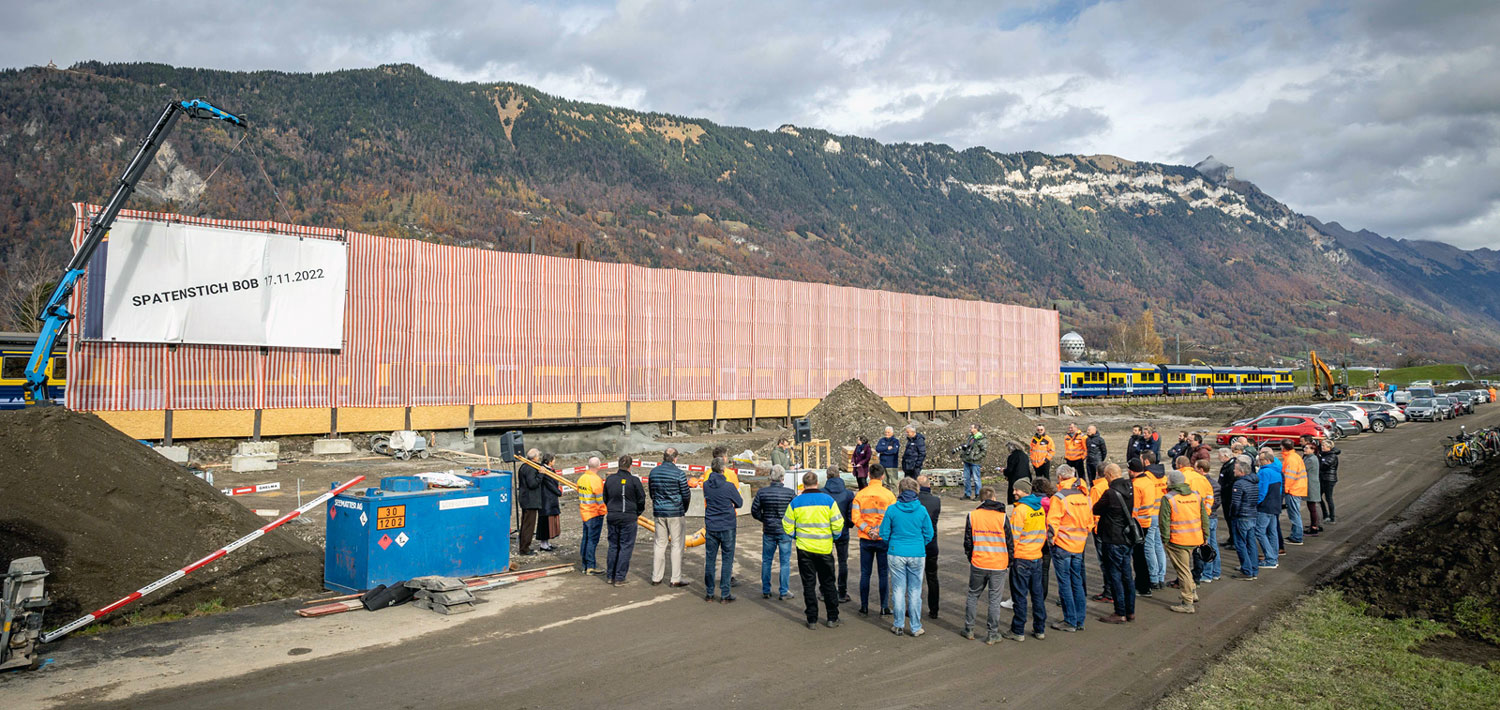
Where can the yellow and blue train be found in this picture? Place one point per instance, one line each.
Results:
(1115, 379)
(15, 352)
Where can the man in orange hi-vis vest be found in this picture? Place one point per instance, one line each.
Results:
(1042, 451)
(1075, 449)
(1183, 521)
(1294, 481)
(867, 512)
(591, 507)
(984, 544)
(1070, 519)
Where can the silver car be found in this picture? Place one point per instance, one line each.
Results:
(1425, 410)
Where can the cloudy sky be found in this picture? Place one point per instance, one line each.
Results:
(1381, 114)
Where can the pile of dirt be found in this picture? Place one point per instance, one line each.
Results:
(1446, 567)
(108, 515)
(852, 410)
(999, 420)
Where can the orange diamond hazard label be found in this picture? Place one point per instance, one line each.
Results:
(384, 541)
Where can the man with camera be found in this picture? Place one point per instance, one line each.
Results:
(972, 453)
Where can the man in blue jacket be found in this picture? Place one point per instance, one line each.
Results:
(844, 498)
(720, 500)
(670, 495)
(907, 528)
(915, 454)
(1243, 513)
(889, 448)
(1268, 509)
(769, 507)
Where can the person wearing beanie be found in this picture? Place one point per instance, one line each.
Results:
(1143, 513)
(1025, 535)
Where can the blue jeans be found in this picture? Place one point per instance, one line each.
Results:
(718, 543)
(1246, 541)
(1214, 569)
(1119, 577)
(1294, 514)
(1156, 555)
(1026, 582)
(873, 553)
(588, 548)
(971, 479)
(1266, 528)
(1069, 566)
(906, 590)
(775, 545)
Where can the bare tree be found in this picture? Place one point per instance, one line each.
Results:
(28, 279)
(1137, 341)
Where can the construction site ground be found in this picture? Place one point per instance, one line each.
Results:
(569, 639)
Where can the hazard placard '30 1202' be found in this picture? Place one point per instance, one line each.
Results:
(390, 517)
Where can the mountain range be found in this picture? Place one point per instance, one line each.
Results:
(1236, 274)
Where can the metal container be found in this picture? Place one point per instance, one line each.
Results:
(403, 530)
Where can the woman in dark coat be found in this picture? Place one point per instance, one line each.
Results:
(549, 522)
(861, 461)
(1017, 467)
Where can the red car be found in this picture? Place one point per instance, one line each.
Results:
(1274, 427)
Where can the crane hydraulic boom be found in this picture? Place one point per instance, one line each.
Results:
(55, 316)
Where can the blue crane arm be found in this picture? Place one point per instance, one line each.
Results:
(55, 315)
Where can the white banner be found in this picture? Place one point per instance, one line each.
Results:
(176, 283)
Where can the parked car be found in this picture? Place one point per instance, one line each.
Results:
(1480, 396)
(1448, 405)
(1422, 392)
(1425, 410)
(1389, 409)
(1465, 401)
(1360, 416)
(1272, 427)
(1337, 426)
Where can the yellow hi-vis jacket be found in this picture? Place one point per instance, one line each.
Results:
(813, 520)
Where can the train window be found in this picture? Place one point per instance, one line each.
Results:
(13, 367)
(59, 367)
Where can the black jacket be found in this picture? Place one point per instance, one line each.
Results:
(1017, 466)
(1243, 497)
(1328, 465)
(529, 485)
(934, 506)
(1097, 449)
(769, 507)
(1114, 509)
(624, 497)
(550, 493)
(1226, 484)
(1137, 444)
(845, 499)
(914, 455)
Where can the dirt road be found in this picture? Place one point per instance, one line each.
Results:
(640, 645)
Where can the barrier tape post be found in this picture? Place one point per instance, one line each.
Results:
(79, 623)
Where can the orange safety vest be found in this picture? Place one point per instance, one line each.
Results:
(1200, 485)
(1101, 484)
(1075, 447)
(1042, 450)
(1294, 474)
(1028, 530)
(590, 496)
(868, 509)
(1147, 500)
(1071, 519)
(987, 527)
(1187, 519)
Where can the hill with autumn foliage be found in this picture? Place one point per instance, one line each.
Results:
(396, 152)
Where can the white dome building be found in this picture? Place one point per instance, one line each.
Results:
(1072, 346)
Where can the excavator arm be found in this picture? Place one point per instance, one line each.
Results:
(1324, 383)
(55, 315)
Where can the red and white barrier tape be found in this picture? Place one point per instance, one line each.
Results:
(637, 463)
(257, 488)
(83, 621)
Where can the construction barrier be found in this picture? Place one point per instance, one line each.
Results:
(432, 326)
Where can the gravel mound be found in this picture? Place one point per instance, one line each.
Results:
(1446, 567)
(849, 411)
(108, 515)
(999, 420)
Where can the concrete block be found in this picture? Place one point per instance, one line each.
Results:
(332, 447)
(259, 448)
(695, 506)
(175, 454)
(243, 463)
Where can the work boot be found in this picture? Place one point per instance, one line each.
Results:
(1183, 608)
(1112, 619)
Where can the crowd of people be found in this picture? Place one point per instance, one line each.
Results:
(1152, 514)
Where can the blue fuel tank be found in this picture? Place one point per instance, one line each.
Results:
(403, 530)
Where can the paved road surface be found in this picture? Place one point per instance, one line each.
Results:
(647, 646)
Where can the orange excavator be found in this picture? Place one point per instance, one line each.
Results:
(1323, 383)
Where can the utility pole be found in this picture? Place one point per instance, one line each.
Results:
(1178, 359)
